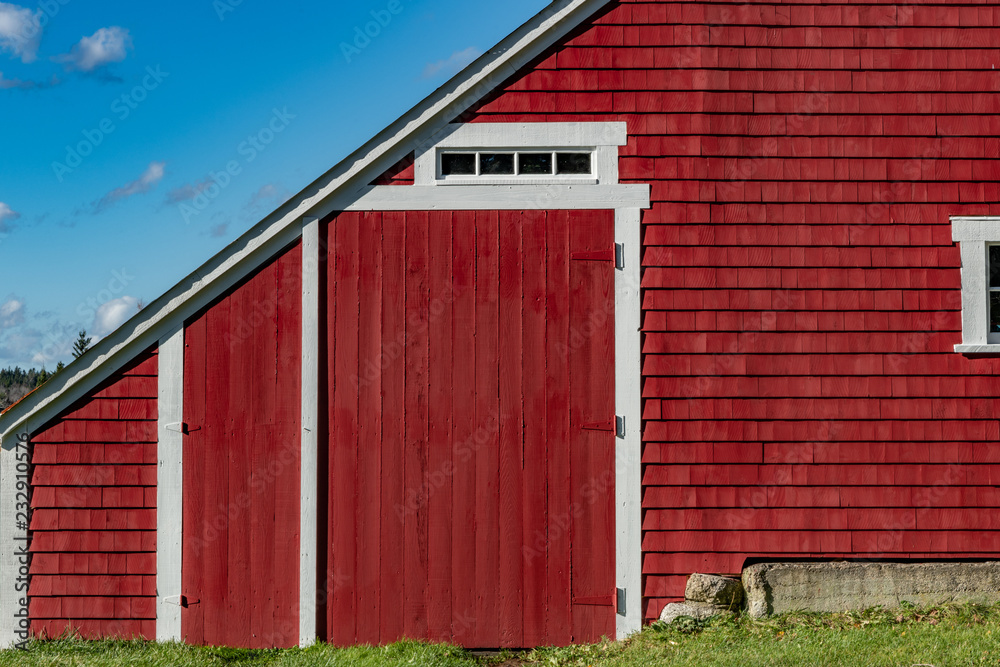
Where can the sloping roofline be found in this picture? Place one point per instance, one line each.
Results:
(331, 192)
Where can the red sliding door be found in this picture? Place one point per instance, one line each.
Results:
(471, 446)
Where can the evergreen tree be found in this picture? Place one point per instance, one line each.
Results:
(82, 344)
(59, 367)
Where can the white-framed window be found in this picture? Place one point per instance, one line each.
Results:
(522, 154)
(558, 165)
(979, 243)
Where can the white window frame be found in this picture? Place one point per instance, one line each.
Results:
(600, 140)
(975, 234)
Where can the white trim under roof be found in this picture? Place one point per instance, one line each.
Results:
(974, 235)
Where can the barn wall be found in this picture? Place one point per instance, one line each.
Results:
(801, 289)
(93, 566)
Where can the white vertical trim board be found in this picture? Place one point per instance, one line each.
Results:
(628, 404)
(309, 455)
(13, 540)
(170, 486)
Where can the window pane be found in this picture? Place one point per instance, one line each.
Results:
(535, 163)
(496, 164)
(573, 163)
(454, 164)
(994, 312)
(995, 266)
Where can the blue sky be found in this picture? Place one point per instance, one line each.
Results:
(117, 114)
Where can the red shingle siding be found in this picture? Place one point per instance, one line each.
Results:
(93, 566)
(802, 292)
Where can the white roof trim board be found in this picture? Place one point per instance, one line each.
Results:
(335, 190)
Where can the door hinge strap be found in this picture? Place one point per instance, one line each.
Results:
(620, 426)
(599, 426)
(179, 427)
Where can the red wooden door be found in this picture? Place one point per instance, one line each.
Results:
(241, 463)
(470, 403)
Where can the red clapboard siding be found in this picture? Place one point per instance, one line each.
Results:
(430, 466)
(93, 533)
(241, 462)
(801, 288)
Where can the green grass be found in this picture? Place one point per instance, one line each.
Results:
(948, 635)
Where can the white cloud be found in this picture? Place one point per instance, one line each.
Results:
(20, 32)
(453, 64)
(11, 313)
(188, 191)
(7, 214)
(112, 315)
(146, 182)
(107, 45)
(269, 191)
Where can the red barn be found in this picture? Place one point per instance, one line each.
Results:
(650, 288)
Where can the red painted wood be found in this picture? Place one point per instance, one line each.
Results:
(557, 397)
(487, 418)
(455, 304)
(369, 466)
(243, 412)
(591, 346)
(440, 524)
(89, 498)
(195, 470)
(344, 294)
(466, 446)
(396, 503)
(416, 446)
(511, 453)
(534, 483)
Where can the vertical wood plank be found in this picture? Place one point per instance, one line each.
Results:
(511, 430)
(591, 351)
(170, 484)
(534, 486)
(415, 455)
(243, 390)
(344, 434)
(487, 416)
(557, 428)
(195, 466)
(439, 473)
(396, 508)
(466, 444)
(309, 268)
(216, 429)
(628, 402)
(286, 447)
(369, 380)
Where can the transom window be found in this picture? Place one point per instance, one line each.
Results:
(500, 163)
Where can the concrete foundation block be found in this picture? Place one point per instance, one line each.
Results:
(776, 588)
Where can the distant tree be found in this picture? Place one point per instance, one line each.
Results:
(82, 344)
(59, 367)
(42, 377)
